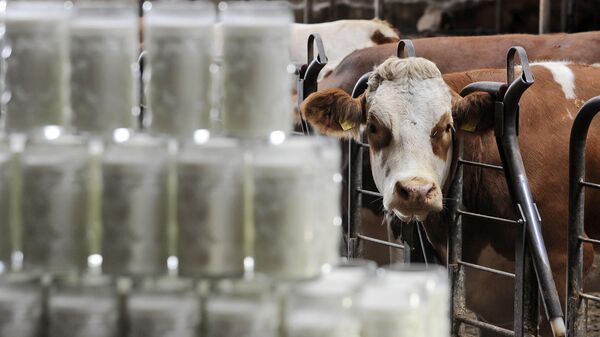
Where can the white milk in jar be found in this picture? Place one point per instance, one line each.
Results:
(20, 305)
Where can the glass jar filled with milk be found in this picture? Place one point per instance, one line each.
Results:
(20, 305)
(210, 209)
(36, 54)
(166, 307)
(134, 206)
(7, 181)
(104, 50)
(389, 307)
(55, 171)
(179, 40)
(434, 280)
(242, 308)
(287, 235)
(326, 307)
(83, 307)
(256, 54)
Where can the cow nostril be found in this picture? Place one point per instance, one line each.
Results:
(431, 191)
(402, 191)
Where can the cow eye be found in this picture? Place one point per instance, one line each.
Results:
(449, 128)
(372, 128)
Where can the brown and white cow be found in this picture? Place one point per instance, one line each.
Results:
(409, 113)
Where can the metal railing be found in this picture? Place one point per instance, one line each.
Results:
(577, 300)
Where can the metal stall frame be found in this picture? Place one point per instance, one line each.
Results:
(577, 300)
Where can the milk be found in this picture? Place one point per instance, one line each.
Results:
(134, 207)
(20, 306)
(287, 241)
(256, 93)
(210, 209)
(104, 70)
(178, 39)
(330, 217)
(321, 323)
(54, 199)
(36, 55)
(6, 184)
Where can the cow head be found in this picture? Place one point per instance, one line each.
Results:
(409, 115)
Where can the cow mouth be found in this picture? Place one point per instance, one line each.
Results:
(411, 214)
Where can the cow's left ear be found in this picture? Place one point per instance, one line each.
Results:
(474, 112)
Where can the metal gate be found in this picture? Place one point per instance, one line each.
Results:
(577, 300)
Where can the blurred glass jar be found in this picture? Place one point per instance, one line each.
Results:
(36, 56)
(256, 55)
(134, 206)
(167, 307)
(210, 209)
(20, 305)
(287, 235)
(55, 170)
(83, 308)
(179, 40)
(327, 307)
(7, 183)
(434, 280)
(389, 307)
(104, 70)
(242, 308)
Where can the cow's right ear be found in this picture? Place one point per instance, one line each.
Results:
(334, 112)
(474, 112)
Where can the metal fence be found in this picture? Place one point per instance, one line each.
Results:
(577, 300)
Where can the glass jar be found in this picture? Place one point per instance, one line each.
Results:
(434, 280)
(135, 206)
(167, 307)
(256, 54)
(36, 56)
(83, 308)
(7, 181)
(104, 70)
(286, 236)
(179, 40)
(242, 308)
(210, 210)
(55, 171)
(20, 305)
(390, 307)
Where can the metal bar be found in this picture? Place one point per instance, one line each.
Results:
(588, 184)
(499, 16)
(381, 242)
(579, 131)
(485, 326)
(584, 239)
(488, 217)
(355, 158)
(590, 297)
(363, 144)
(544, 23)
(486, 269)
(484, 165)
(371, 193)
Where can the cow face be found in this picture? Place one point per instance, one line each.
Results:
(407, 115)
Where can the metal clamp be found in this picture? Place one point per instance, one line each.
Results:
(308, 73)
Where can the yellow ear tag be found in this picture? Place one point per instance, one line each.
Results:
(469, 127)
(346, 125)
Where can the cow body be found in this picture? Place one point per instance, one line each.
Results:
(453, 54)
(409, 118)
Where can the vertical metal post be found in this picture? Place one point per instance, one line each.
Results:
(567, 17)
(308, 11)
(355, 159)
(455, 272)
(499, 16)
(377, 9)
(526, 303)
(544, 23)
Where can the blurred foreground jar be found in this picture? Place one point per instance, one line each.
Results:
(210, 210)
(104, 70)
(326, 307)
(20, 305)
(256, 54)
(434, 280)
(36, 55)
(166, 307)
(389, 307)
(7, 181)
(83, 308)
(179, 40)
(134, 206)
(287, 235)
(242, 308)
(55, 170)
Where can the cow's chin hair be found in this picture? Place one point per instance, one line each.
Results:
(411, 215)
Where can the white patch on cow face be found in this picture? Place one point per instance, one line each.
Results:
(563, 75)
(410, 109)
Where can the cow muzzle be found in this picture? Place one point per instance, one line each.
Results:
(414, 198)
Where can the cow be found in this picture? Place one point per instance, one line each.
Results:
(412, 114)
(453, 54)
